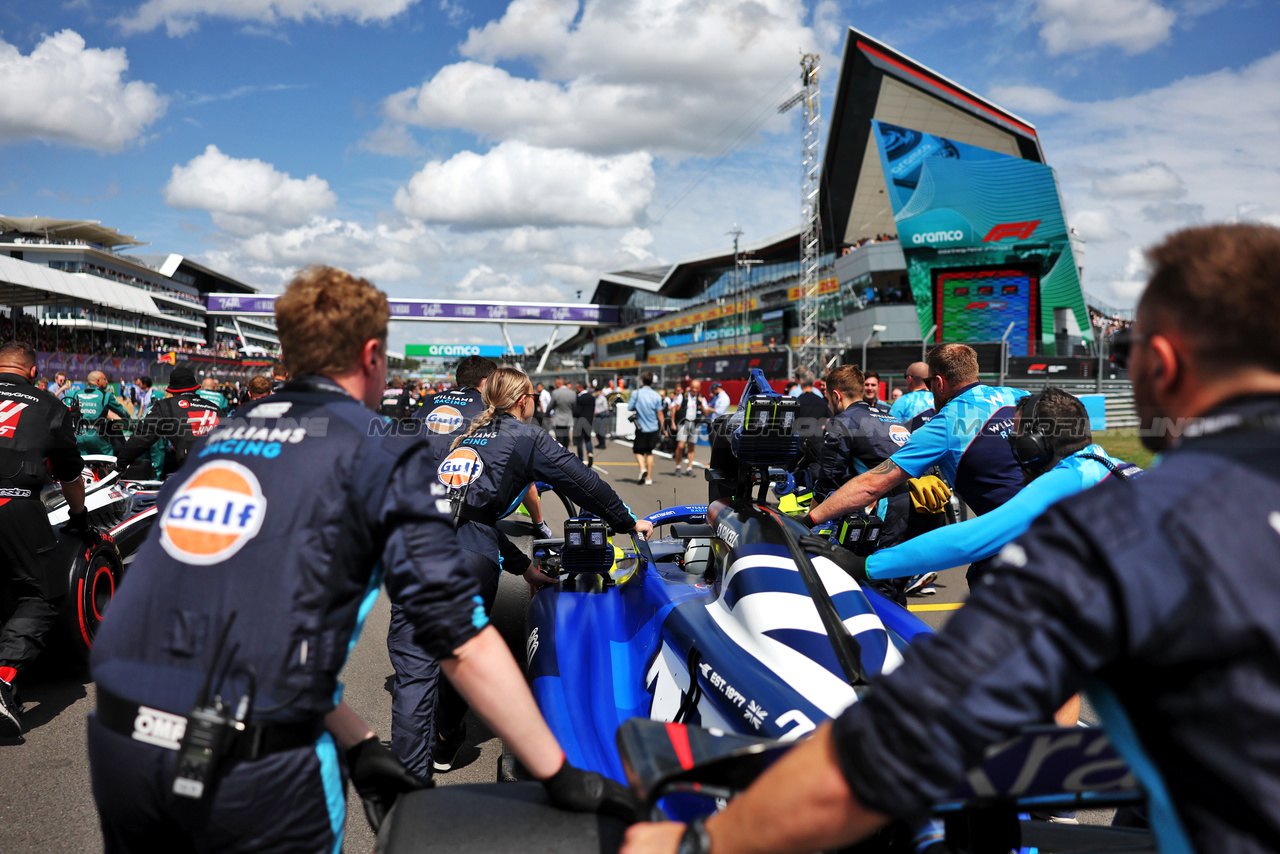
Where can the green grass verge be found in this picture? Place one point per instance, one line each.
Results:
(1124, 444)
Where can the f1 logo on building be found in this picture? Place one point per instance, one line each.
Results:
(1017, 230)
(10, 413)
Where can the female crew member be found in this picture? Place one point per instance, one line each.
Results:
(488, 470)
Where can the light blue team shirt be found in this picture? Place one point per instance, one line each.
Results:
(912, 404)
(984, 536)
(645, 403)
(968, 441)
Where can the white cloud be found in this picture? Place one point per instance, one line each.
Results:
(484, 283)
(1031, 99)
(392, 140)
(518, 184)
(1153, 181)
(1097, 225)
(245, 195)
(66, 92)
(1207, 141)
(1135, 26)
(180, 17)
(661, 75)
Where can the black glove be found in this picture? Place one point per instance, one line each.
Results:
(851, 563)
(586, 791)
(807, 521)
(379, 777)
(77, 523)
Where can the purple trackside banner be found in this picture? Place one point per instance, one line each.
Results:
(480, 312)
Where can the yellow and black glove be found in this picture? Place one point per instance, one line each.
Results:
(929, 494)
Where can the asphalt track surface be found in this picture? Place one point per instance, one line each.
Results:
(45, 799)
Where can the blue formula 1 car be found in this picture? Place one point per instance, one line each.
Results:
(738, 622)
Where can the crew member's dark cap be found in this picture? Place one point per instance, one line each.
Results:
(182, 379)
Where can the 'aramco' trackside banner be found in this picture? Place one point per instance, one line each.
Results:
(985, 240)
(446, 310)
(457, 351)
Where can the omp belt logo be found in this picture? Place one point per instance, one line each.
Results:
(460, 468)
(899, 434)
(1019, 230)
(444, 419)
(202, 421)
(213, 514)
(10, 414)
(159, 728)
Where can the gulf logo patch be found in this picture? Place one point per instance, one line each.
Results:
(444, 419)
(213, 514)
(460, 468)
(899, 434)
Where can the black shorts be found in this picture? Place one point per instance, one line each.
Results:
(644, 443)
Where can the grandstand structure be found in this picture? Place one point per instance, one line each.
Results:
(69, 287)
(713, 312)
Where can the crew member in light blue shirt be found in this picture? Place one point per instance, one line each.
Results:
(649, 409)
(967, 440)
(1072, 464)
(917, 399)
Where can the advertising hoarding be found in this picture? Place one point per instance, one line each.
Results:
(965, 212)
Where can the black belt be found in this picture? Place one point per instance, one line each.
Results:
(164, 729)
(467, 513)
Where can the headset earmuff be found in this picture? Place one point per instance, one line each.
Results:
(1031, 448)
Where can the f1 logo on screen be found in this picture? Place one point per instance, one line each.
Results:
(1019, 230)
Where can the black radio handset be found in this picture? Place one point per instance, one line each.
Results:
(205, 738)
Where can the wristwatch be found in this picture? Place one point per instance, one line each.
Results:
(695, 839)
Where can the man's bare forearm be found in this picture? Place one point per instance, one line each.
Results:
(801, 804)
(867, 488)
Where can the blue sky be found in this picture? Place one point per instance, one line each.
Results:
(516, 150)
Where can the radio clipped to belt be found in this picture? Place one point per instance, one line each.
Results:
(210, 727)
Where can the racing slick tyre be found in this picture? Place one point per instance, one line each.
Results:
(460, 820)
(95, 572)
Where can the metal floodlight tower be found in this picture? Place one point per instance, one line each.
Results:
(810, 354)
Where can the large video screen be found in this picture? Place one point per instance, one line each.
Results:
(979, 303)
(962, 208)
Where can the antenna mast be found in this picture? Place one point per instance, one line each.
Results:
(809, 353)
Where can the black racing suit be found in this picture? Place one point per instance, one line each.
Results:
(37, 439)
(291, 520)
(179, 422)
(1159, 597)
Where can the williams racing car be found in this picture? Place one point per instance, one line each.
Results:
(683, 664)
